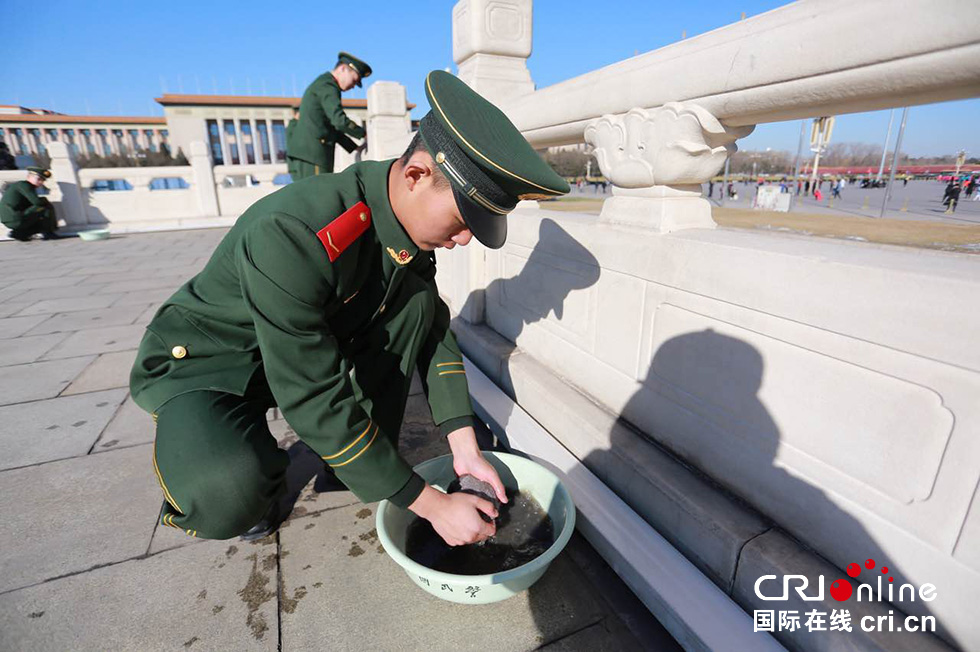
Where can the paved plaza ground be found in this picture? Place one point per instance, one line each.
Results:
(921, 200)
(85, 565)
(855, 216)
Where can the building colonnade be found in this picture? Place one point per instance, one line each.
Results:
(103, 139)
(246, 141)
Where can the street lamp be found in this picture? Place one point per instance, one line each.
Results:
(819, 137)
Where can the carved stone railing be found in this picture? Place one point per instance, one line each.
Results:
(792, 62)
(829, 387)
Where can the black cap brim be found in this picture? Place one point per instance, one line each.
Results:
(486, 226)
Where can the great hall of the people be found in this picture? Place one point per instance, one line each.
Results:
(239, 130)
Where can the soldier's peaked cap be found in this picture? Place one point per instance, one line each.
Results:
(362, 68)
(489, 164)
(40, 171)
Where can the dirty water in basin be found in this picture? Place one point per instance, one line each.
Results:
(524, 531)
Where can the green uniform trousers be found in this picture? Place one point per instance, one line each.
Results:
(218, 464)
(300, 169)
(36, 219)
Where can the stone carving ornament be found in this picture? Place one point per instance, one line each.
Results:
(675, 144)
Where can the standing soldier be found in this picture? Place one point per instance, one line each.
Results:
(24, 212)
(290, 131)
(322, 300)
(322, 123)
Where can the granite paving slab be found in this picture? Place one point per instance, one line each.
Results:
(72, 515)
(142, 274)
(70, 304)
(22, 350)
(85, 319)
(215, 596)
(135, 285)
(98, 340)
(152, 297)
(107, 371)
(9, 308)
(147, 315)
(11, 327)
(603, 636)
(60, 292)
(44, 279)
(38, 380)
(130, 426)
(42, 431)
(168, 538)
(337, 578)
(10, 292)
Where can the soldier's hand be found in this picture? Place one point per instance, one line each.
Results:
(467, 459)
(456, 517)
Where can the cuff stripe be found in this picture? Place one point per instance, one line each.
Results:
(360, 452)
(350, 445)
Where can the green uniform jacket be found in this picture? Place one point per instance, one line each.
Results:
(269, 299)
(322, 124)
(17, 198)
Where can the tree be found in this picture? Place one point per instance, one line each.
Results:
(569, 163)
(144, 159)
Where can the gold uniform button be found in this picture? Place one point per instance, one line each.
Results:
(363, 217)
(440, 158)
(323, 141)
(381, 310)
(178, 352)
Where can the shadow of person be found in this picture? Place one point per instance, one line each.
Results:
(557, 266)
(703, 389)
(702, 394)
(573, 602)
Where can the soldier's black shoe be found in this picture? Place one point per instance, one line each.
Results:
(51, 235)
(327, 480)
(17, 236)
(269, 524)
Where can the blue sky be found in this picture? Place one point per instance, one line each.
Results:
(112, 58)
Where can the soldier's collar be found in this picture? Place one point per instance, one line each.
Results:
(399, 248)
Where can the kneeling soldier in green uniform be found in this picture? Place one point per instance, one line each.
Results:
(322, 300)
(24, 212)
(322, 122)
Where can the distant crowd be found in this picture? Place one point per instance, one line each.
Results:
(968, 184)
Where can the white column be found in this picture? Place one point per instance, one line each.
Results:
(256, 143)
(207, 194)
(242, 158)
(64, 170)
(272, 144)
(388, 131)
(35, 140)
(225, 146)
(492, 57)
